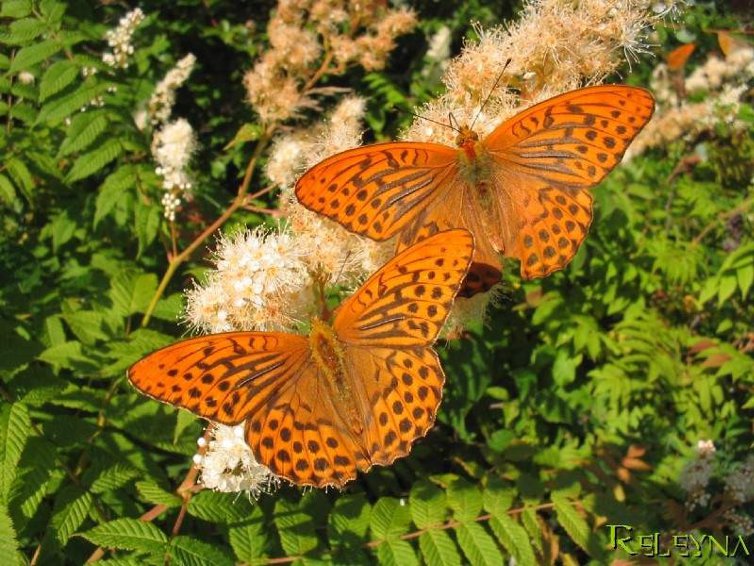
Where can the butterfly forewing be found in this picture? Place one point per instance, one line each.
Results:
(572, 140)
(407, 301)
(376, 190)
(223, 377)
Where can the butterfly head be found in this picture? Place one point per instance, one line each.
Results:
(466, 140)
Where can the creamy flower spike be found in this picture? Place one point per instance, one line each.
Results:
(119, 39)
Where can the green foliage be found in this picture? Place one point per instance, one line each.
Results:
(575, 405)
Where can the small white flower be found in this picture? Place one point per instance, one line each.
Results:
(163, 98)
(230, 466)
(25, 78)
(119, 39)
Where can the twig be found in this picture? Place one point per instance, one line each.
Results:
(742, 207)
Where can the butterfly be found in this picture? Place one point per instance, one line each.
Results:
(522, 191)
(678, 57)
(349, 395)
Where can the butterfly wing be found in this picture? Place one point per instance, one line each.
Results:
(268, 380)
(378, 189)
(547, 157)
(388, 327)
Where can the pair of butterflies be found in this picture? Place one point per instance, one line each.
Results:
(360, 391)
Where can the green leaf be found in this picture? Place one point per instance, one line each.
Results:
(147, 223)
(63, 227)
(15, 8)
(427, 505)
(7, 191)
(20, 174)
(65, 355)
(248, 539)
(128, 534)
(477, 545)
(295, 528)
(573, 523)
(745, 276)
(94, 161)
(150, 491)
(86, 325)
(389, 519)
(66, 104)
(349, 518)
(58, 76)
(131, 291)
(728, 284)
(218, 507)
(113, 478)
(15, 426)
(396, 553)
(8, 539)
(465, 500)
(30, 55)
(193, 552)
(84, 129)
(70, 515)
(438, 548)
(247, 132)
(111, 190)
(514, 538)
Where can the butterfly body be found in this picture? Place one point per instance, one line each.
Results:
(351, 394)
(522, 190)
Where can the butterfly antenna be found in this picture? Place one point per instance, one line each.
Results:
(489, 95)
(419, 117)
(342, 267)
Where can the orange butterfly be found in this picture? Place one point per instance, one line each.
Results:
(348, 396)
(522, 190)
(677, 58)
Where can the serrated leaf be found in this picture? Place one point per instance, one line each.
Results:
(427, 505)
(745, 276)
(15, 425)
(84, 129)
(70, 516)
(296, 530)
(465, 500)
(65, 355)
(477, 545)
(114, 478)
(514, 538)
(20, 174)
(389, 519)
(153, 493)
(86, 325)
(147, 222)
(438, 548)
(7, 191)
(66, 104)
(30, 55)
(94, 161)
(111, 191)
(727, 287)
(218, 507)
(128, 534)
(497, 497)
(58, 76)
(396, 552)
(349, 518)
(8, 539)
(192, 552)
(573, 523)
(248, 539)
(131, 291)
(15, 8)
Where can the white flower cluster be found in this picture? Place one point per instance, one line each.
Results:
(172, 147)
(163, 98)
(739, 484)
(229, 465)
(696, 475)
(119, 39)
(261, 283)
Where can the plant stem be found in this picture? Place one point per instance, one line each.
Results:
(238, 201)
